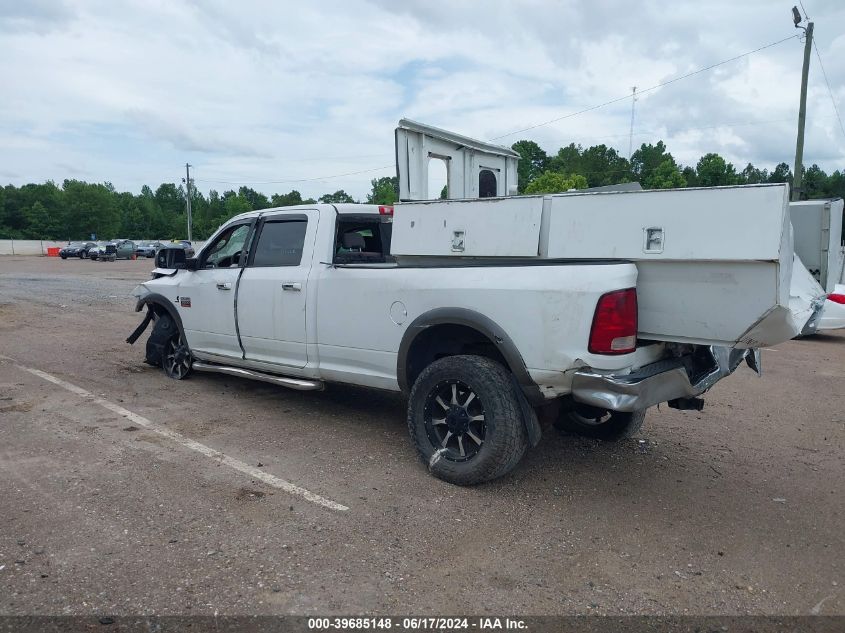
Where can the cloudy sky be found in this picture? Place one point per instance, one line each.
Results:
(293, 95)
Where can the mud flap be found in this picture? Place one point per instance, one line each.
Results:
(529, 417)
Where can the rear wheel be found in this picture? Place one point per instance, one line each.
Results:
(601, 424)
(465, 420)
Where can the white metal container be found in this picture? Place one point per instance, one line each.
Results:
(714, 264)
(817, 226)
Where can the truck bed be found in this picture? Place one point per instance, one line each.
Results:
(715, 264)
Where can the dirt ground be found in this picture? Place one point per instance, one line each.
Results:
(736, 509)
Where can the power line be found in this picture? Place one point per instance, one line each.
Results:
(668, 133)
(806, 17)
(829, 91)
(655, 87)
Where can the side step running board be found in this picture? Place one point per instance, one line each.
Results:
(299, 384)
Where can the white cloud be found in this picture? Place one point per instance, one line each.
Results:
(283, 91)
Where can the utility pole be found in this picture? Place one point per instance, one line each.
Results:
(797, 175)
(631, 135)
(188, 197)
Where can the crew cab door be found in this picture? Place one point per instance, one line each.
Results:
(273, 290)
(206, 300)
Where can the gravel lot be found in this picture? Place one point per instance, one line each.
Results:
(737, 509)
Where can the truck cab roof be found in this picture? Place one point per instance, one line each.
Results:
(342, 209)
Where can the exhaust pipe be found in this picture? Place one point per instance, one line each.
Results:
(300, 384)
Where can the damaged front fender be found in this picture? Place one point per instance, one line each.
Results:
(136, 334)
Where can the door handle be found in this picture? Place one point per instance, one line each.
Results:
(224, 285)
(290, 285)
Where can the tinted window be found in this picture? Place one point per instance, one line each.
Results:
(280, 244)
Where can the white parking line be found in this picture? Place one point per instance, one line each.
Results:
(187, 442)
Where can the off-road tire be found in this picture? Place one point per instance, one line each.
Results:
(504, 439)
(613, 425)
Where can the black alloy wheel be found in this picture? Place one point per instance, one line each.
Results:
(454, 420)
(176, 360)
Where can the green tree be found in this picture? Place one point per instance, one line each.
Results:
(835, 188)
(646, 159)
(553, 182)
(566, 161)
(255, 199)
(814, 183)
(532, 163)
(690, 176)
(665, 176)
(233, 205)
(602, 165)
(752, 176)
(289, 199)
(38, 221)
(781, 173)
(338, 197)
(714, 171)
(384, 190)
(91, 208)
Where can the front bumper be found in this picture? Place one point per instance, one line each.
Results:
(670, 379)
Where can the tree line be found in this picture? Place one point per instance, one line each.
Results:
(76, 209)
(575, 167)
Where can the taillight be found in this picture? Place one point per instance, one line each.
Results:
(614, 328)
(837, 298)
(385, 210)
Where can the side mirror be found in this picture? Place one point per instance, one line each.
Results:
(173, 258)
(192, 263)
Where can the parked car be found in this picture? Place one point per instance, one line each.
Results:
(189, 249)
(147, 248)
(76, 249)
(95, 251)
(116, 249)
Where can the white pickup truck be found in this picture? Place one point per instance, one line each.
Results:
(479, 315)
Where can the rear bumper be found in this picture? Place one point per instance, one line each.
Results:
(669, 379)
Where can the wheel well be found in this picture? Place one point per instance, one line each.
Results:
(448, 339)
(157, 305)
